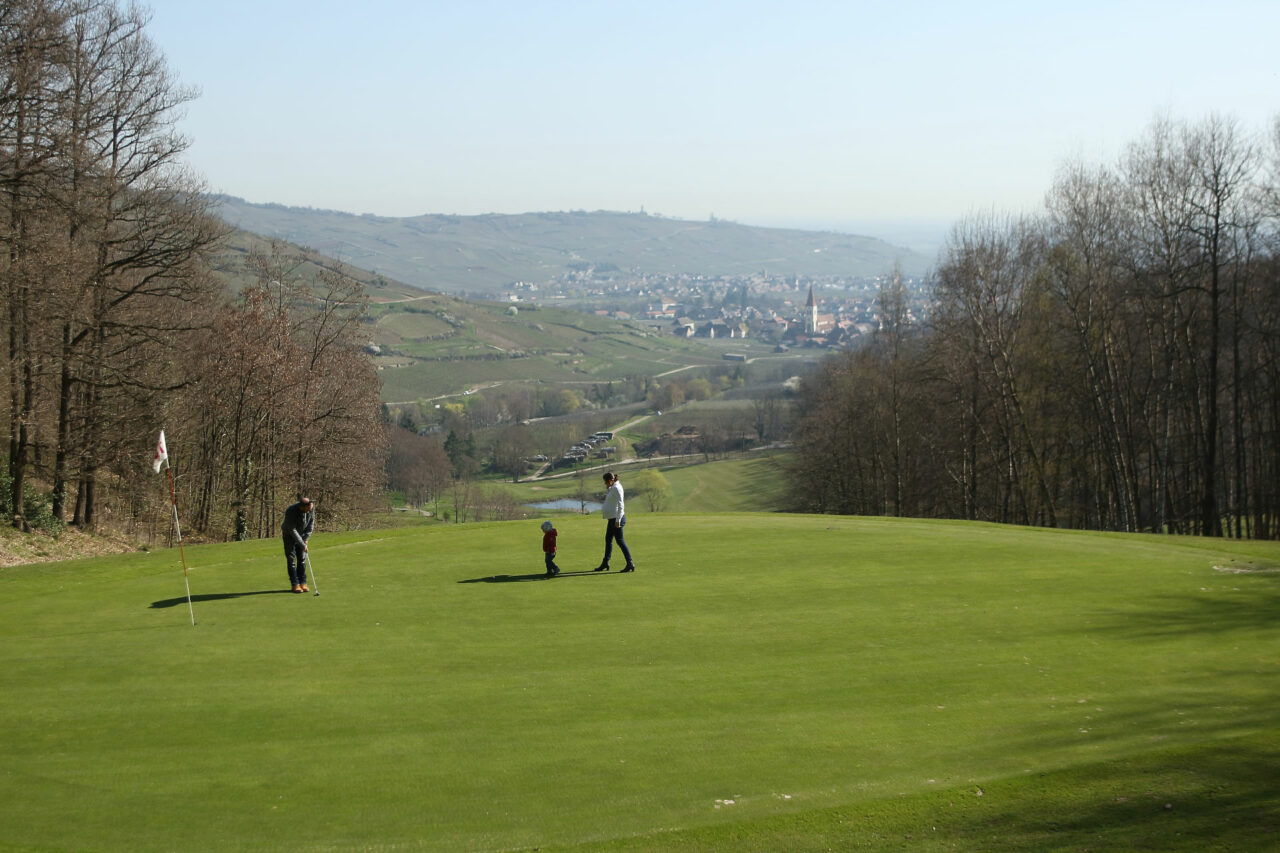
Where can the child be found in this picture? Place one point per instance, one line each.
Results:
(549, 534)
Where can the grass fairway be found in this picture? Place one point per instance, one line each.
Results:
(763, 682)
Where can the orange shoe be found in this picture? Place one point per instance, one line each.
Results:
(305, 589)
(297, 587)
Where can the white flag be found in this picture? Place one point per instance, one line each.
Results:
(162, 454)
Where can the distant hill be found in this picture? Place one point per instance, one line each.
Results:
(431, 344)
(483, 254)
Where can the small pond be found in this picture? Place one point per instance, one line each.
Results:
(568, 503)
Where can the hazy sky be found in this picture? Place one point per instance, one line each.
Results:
(824, 114)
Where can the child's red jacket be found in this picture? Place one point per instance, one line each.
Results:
(549, 541)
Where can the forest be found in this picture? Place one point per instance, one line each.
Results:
(114, 324)
(1111, 362)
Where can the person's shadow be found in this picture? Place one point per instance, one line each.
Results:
(540, 576)
(216, 596)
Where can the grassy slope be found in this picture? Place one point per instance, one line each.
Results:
(844, 681)
(752, 484)
(748, 484)
(553, 345)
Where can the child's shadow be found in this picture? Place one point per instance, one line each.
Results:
(540, 576)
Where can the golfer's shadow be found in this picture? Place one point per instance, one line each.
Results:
(216, 596)
(540, 576)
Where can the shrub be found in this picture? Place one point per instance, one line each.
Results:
(37, 507)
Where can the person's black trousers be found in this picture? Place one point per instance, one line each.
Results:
(295, 559)
(612, 533)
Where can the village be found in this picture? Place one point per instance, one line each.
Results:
(831, 312)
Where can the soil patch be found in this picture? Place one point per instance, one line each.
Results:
(18, 549)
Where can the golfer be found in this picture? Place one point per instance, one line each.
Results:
(299, 521)
(615, 518)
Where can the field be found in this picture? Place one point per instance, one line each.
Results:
(747, 484)
(436, 345)
(763, 682)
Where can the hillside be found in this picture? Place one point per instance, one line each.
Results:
(439, 344)
(481, 254)
(230, 263)
(428, 345)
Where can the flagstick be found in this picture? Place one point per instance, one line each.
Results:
(178, 528)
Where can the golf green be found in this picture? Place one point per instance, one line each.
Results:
(765, 674)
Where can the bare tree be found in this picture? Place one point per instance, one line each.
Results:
(510, 450)
(105, 233)
(1087, 277)
(985, 293)
(32, 45)
(893, 310)
(289, 400)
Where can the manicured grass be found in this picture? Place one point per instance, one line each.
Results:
(1218, 797)
(846, 683)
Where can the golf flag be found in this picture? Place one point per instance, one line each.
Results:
(162, 458)
(162, 454)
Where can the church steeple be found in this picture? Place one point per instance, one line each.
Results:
(811, 314)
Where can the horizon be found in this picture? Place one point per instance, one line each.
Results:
(923, 235)
(809, 116)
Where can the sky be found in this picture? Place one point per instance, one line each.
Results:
(834, 115)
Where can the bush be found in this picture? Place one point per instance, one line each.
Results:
(496, 504)
(37, 507)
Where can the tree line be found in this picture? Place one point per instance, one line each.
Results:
(1112, 362)
(114, 323)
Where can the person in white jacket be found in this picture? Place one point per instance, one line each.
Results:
(615, 518)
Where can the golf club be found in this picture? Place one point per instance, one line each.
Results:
(312, 569)
(306, 561)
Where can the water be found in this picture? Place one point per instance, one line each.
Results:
(568, 503)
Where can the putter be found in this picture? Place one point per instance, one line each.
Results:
(307, 556)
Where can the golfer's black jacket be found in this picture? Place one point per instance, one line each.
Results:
(296, 520)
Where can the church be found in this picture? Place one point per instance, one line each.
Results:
(815, 323)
